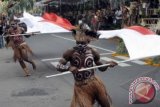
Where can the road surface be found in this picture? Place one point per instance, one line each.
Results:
(38, 91)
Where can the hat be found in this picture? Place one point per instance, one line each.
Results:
(85, 35)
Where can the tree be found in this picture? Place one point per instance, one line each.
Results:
(3, 7)
(121, 48)
(16, 6)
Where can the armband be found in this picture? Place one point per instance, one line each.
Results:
(60, 67)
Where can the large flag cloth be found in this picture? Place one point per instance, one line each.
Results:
(39, 24)
(139, 41)
(55, 19)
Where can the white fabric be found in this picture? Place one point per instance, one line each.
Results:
(38, 24)
(139, 46)
(118, 14)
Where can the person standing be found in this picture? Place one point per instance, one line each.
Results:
(88, 88)
(1, 34)
(118, 16)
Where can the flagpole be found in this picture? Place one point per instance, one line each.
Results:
(94, 67)
(34, 33)
(84, 69)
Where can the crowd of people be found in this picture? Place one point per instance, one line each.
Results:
(2, 30)
(126, 14)
(101, 19)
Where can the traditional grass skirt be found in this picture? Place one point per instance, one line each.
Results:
(86, 94)
(21, 51)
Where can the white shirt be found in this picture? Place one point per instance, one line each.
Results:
(118, 14)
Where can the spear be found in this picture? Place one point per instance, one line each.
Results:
(84, 69)
(34, 33)
(94, 67)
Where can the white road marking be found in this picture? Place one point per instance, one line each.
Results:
(106, 59)
(106, 53)
(50, 59)
(122, 57)
(139, 62)
(102, 48)
(135, 61)
(102, 58)
(54, 63)
(89, 45)
(110, 59)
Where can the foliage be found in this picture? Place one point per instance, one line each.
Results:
(121, 48)
(36, 10)
(3, 7)
(156, 60)
(16, 6)
(21, 5)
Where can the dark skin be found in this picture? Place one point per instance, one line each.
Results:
(20, 49)
(76, 56)
(68, 54)
(80, 57)
(101, 96)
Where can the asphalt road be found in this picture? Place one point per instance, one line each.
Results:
(39, 91)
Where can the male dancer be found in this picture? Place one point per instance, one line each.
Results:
(20, 47)
(88, 88)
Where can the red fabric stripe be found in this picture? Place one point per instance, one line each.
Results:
(141, 30)
(55, 19)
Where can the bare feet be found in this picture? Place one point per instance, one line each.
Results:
(27, 75)
(26, 71)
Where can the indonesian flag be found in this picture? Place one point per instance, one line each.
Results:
(55, 19)
(139, 41)
(46, 24)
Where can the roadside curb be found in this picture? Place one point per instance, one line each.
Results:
(148, 61)
(117, 54)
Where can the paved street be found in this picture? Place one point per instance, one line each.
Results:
(38, 91)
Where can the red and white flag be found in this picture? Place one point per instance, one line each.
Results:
(139, 41)
(49, 23)
(55, 19)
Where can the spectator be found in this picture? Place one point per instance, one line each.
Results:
(118, 15)
(94, 22)
(126, 17)
(1, 34)
(84, 25)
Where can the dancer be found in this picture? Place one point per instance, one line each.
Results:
(20, 47)
(88, 88)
